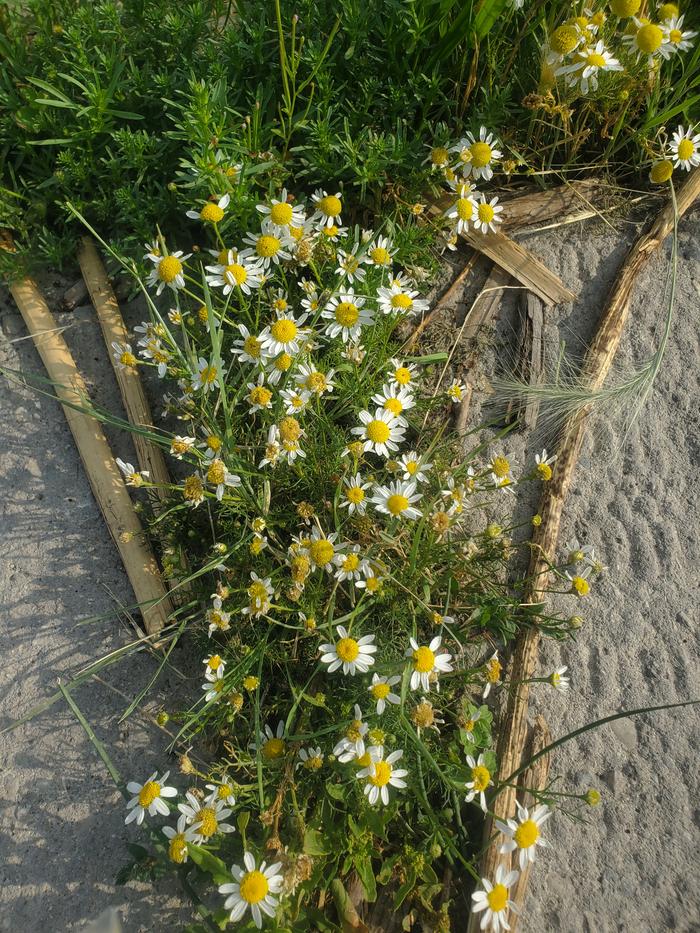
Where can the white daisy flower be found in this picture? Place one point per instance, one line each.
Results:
(278, 367)
(577, 553)
(271, 745)
(249, 347)
(380, 253)
(310, 758)
(587, 65)
(558, 680)
(347, 316)
(381, 434)
(269, 247)
(381, 774)
(167, 271)
(223, 792)
(132, 476)
(414, 468)
(476, 157)
(354, 498)
(525, 834)
(352, 745)
(294, 400)
(311, 302)
(153, 349)
(213, 686)
(492, 674)
(350, 266)
(457, 390)
(495, 901)
(353, 655)
(428, 663)
(259, 396)
(214, 666)
(237, 271)
(216, 618)
(400, 298)
(284, 335)
(480, 779)
(350, 565)
(273, 448)
(253, 887)
(212, 212)
(123, 355)
(260, 593)
(487, 214)
(678, 39)
(218, 475)
(396, 400)
(543, 464)
(646, 39)
(181, 445)
(402, 373)
(148, 798)
(206, 817)
(328, 208)
(463, 211)
(206, 377)
(322, 549)
(282, 214)
(313, 381)
(179, 837)
(397, 499)
(373, 580)
(685, 148)
(380, 690)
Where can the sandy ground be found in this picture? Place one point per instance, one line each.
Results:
(631, 867)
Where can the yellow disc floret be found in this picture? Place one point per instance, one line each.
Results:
(211, 213)
(380, 691)
(272, 749)
(207, 823)
(526, 834)
(347, 313)
(661, 171)
(284, 330)
(330, 205)
(497, 898)
(237, 273)
(402, 301)
(439, 156)
(281, 214)
(380, 256)
(686, 149)
(382, 774)
(321, 552)
(423, 660)
(625, 8)
(564, 39)
(649, 38)
(397, 504)
(465, 209)
(481, 778)
(347, 649)
(169, 268)
(481, 154)
(253, 887)
(148, 793)
(486, 213)
(267, 246)
(378, 431)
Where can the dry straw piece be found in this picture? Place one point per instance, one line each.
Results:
(102, 471)
(595, 370)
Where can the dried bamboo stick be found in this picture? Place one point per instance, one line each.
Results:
(103, 474)
(149, 455)
(596, 368)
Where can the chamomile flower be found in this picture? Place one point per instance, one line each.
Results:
(579, 582)
(543, 465)
(322, 549)
(397, 499)
(577, 553)
(588, 64)
(678, 39)
(167, 271)
(558, 680)
(214, 685)
(149, 798)
(381, 774)
(214, 666)
(248, 348)
(352, 745)
(217, 619)
(273, 448)
(238, 270)
(253, 887)
(464, 210)
(123, 356)
(206, 377)
(354, 655)
(480, 780)
(396, 400)
(181, 445)
(218, 475)
(354, 497)
(524, 834)
(206, 817)
(495, 901)
(413, 467)
(311, 759)
(428, 663)
(212, 212)
(488, 214)
(132, 476)
(438, 157)
(347, 316)
(646, 39)
(492, 674)
(285, 334)
(380, 434)
(457, 390)
(178, 851)
(685, 148)
(402, 373)
(282, 214)
(328, 208)
(349, 266)
(477, 156)
(380, 690)
(276, 368)
(294, 400)
(373, 582)
(259, 396)
(269, 246)
(349, 564)
(311, 380)
(153, 349)
(380, 253)
(271, 745)
(260, 593)
(400, 298)
(311, 302)
(222, 792)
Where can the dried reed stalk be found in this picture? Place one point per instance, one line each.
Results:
(149, 455)
(103, 473)
(595, 370)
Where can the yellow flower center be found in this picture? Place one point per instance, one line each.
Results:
(564, 39)
(373, 584)
(316, 382)
(625, 8)
(224, 792)
(675, 36)
(545, 471)
(331, 231)
(237, 272)
(364, 761)
(580, 585)
(351, 563)
(169, 268)
(661, 171)
(481, 777)
(208, 374)
(283, 362)
(254, 887)
(378, 431)
(290, 429)
(667, 11)
(260, 396)
(526, 834)
(355, 494)
(207, 823)
(401, 301)
(381, 691)
(273, 748)
(397, 504)
(423, 660)
(177, 850)
(439, 156)
(493, 671)
(321, 552)
(500, 466)
(267, 245)
(481, 154)
(330, 205)
(394, 405)
(212, 213)
(315, 763)
(148, 793)
(214, 661)
(649, 38)
(347, 649)
(402, 375)
(347, 313)
(497, 898)
(380, 256)
(486, 213)
(250, 682)
(296, 233)
(465, 209)
(411, 467)
(252, 347)
(216, 473)
(127, 359)
(284, 330)
(193, 488)
(596, 60)
(258, 592)
(382, 774)
(686, 149)
(281, 214)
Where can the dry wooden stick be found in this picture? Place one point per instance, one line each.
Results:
(103, 473)
(149, 455)
(595, 370)
(530, 361)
